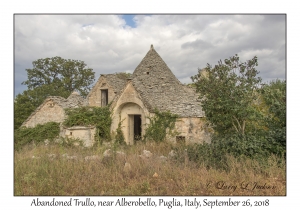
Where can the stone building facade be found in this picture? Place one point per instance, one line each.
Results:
(53, 109)
(133, 100)
(152, 86)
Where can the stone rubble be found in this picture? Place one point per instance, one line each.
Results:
(92, 157)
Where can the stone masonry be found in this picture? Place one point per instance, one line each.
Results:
(52, 109)
(133, 100)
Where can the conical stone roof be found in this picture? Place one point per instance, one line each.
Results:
(159, 88)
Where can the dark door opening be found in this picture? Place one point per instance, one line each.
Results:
(137, 128)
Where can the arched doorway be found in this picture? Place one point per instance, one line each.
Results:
(133, 121)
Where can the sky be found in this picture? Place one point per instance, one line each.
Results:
(118, 43)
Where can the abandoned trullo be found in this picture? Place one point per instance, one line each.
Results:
(152, 86)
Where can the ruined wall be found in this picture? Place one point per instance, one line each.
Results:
(49, 112)
(85, 134)
(192, 129)
(94, 97)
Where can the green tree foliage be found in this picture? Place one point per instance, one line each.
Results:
(228, 91)
(24, 105)
(248, 117)
(68, 74)
(274, 96)
(51, 77)
(26, 102)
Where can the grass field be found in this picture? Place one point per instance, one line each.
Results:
(60, 170)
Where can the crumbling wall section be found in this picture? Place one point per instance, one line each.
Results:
(190, 130)
(49, 112)
(52, 109)
(85, 134)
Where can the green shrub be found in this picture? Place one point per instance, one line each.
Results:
(37, 134)
(120, 139)
(100, 117)
(254, 146)
(208, 155)
(160, 125)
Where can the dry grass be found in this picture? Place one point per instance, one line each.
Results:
(50, 172)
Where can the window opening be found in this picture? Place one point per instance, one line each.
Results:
(104, 97)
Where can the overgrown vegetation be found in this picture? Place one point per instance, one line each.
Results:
(119, 138)
(100, 117)
(39, 133)
(54, 76)
(227, 92)
(161, 125)
(274, 97)
(124, 75)
(249, 118)
(55, 170)
(248, 144)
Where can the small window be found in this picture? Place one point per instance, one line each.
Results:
(148, 72)
(104, 97)
(70, 133)
(180, 139)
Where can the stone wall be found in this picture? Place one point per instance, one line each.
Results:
(85, 134)
(48, 112)
(94, 97)
(191, 130)
(127, 104)
(52, 109)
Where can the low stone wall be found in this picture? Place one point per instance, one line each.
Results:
(85, 134)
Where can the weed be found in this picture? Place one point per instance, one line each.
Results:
(161, 124)
(38, 134)
(57, 175)
(91, 116)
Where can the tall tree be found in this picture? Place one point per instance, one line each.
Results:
(51, 77)
(25, 103)
(228, 92)
(63, 73)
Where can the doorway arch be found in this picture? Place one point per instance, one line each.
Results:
(133, 122)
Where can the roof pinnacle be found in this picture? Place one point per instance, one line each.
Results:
(151, 48)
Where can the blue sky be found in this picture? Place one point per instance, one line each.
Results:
(129, 20)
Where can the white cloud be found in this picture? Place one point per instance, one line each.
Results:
(185, 42)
